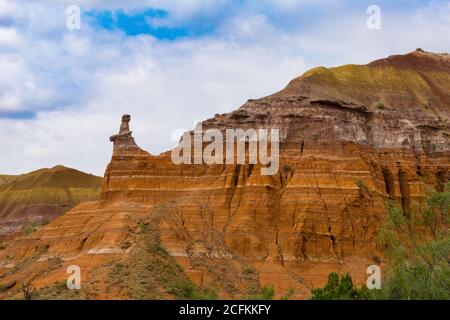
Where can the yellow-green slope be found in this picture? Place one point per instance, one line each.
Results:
(416, 82)
(42, 195)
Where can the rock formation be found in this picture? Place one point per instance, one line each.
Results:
(350, 138)
(124, 141)
(32, 199)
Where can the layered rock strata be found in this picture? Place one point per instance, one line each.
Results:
(32, 199)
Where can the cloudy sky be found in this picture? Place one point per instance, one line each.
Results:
(170, 63)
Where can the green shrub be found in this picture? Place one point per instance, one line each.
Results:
(187, 290)
(337, 288)
(248, 270)
(208, 294)
(418, 249)
(380, 106)
(418, 252)
(28, 290)
(159, 249)
(145, 226)
(29, 228)
(286, 168)
(289, 294)
(362, 186)
(118, 267)
(267, 293)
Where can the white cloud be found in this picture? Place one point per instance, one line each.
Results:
(9, 37)
(18, 85)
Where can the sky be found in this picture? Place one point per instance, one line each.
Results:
(171, 63)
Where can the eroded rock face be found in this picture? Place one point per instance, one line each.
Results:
(350, 138)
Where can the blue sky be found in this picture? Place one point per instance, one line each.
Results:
(289, 18)
(139, 23)
(170, 63)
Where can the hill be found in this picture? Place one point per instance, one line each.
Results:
(32, 199)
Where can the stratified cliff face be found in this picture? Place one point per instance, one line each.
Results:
(350, 138)
(42, 195)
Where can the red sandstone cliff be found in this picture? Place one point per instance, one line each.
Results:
(350, 138)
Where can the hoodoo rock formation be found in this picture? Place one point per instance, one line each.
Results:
(351, 138)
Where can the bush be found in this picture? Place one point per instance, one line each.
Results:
(418, 253)
(118, 267)
(29, 228)
(159, 249)
(289, 295)
(207, 294)
(28, 290)
(267, 293)
(360, 184)
(145, 226)
(248, 270)
(337, 289)
(287, 168)
(380, 106)
(187, 290)
(418, 249)
(362, 187)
